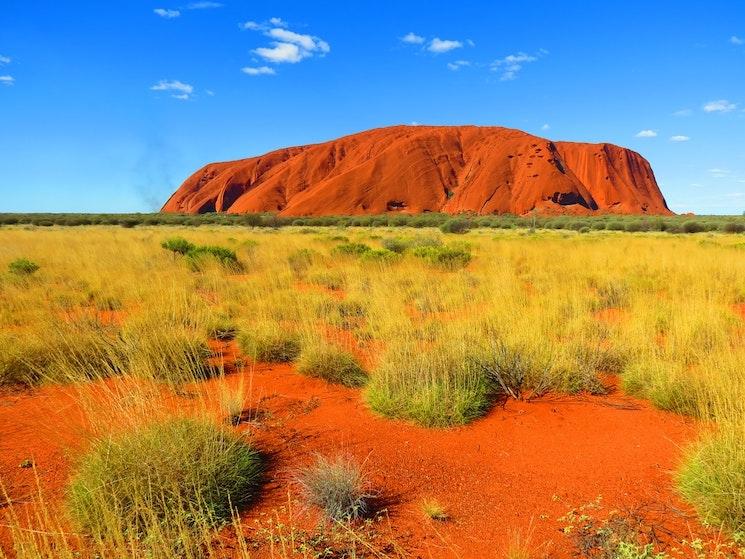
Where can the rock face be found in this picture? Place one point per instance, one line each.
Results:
(415, 169)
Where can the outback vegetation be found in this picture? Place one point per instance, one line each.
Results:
(435, 322)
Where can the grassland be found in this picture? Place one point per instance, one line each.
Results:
(427, 327)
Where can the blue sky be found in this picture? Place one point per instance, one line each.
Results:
(109, 106)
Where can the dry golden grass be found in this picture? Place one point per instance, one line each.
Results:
(529, 313)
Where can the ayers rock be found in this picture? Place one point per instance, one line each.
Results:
(415, 169)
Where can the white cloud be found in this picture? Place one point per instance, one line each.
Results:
(282, 52)
(438, 45)
(168, 14)
(412, 38)
(307, 42)
(210, 92)
(289, 47)
(470, 43)
(545, 127)
(646, 134)
(180, 90)
(458, 64)
(5, 59)
(735, 40)
(679, 138)
(258, 71)
(719, 106)
(511, 64)
(683, 112)
(7, 80)
(203, 5)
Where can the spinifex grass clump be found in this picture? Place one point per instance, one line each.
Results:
(332, 364)
(435, 386)
(713, 478)
(161, 482)
(338, 487)
(270, 345)
(170, 353)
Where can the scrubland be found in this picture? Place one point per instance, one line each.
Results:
(431, 328)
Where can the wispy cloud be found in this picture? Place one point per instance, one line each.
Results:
(412, 38)
(679, 138)
(646, 134)
(545, 127)
(439, 46)
(683, 112)
(258, 71)
(735, 40)
(719, 106)
(203, 5)
(457, 65)
(178, 89)
(5, 60)
(7, 80)
(286, 47)
(166, 13)
(718, 173)
(510, 65)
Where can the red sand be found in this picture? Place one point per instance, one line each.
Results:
(414, 169)
(523, 465)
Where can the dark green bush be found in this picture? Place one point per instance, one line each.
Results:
(693, 227)
(22, 267)
(733, 227)
(456, 225)
(223, 255)
(444, 257)
(178, 245)
(351, 249)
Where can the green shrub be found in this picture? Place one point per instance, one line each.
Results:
(456, 225)
(351, 249)
(444, 257)
(178, 245)
(224, 256)
(333, 365)
(380, 255)
(396, 245)
(693, 227)
(161, 480)
(278, 346)
(336, 486)
(733, 227)
(22, 267)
